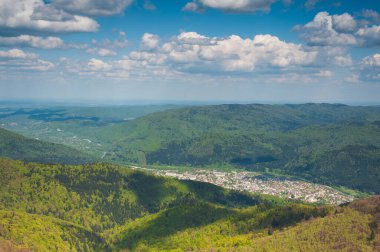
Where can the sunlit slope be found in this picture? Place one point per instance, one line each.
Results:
(288, 228)
(30, 232)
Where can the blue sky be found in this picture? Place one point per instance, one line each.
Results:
(271, 51)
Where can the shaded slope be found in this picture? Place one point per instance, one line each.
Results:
(15, 146)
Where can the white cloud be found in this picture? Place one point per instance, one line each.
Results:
(16, 60)
(32, 41)
(343, 60)
(98, 65)
(372, 60)
(92, 7)
(372, 15)
(149, 41)
(370, 68)
(324, 73)
(199, 54)
(230, 5)
(325, 30)
(341, 30)
(192, 50)
(103, 52)
(24, 16)
(343, 23)
(191, 6)
(354, 78)
(370, 35)
(120, 42)
(106, 52)
(16, 53)
(106, 47)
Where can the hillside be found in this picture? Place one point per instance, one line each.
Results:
(15, 146)
(104, 207)
(333, 144)
(288, 228)
(102, 196)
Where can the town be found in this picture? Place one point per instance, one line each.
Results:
(259, 183)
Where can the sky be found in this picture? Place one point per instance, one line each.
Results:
(267, 51)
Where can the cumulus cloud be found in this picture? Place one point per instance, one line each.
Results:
(32, 41)
(103, 52)
(371, 15)
(370, 68)
(196, 53)
(92, 7)
(119, 42)
(31, 16)
(325, 30)
(192, 50)
(343, 23)
(16, 54)
(106, 47)
(372, 61)
(369, 36)
(341, 30)
(18, 60)
(231, 5)
(98, 65)
(149, 41)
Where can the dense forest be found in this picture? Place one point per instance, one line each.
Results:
(60, 199)
(326, 143)
(15, 146)
(103, 207)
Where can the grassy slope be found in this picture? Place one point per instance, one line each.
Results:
(297, 139)
(15, 146)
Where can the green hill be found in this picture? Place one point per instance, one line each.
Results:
(20, 230)
(102, 196)
(287, 228)
(333, 144)
(102, 207)
(15, 146)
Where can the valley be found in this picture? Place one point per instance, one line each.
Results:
(252, 182)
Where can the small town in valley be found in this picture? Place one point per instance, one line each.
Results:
(258, 183)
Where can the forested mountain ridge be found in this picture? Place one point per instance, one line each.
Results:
(300, 140)
(15, 146)
(103, 207)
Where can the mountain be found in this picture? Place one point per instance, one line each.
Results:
(103, 207)
(328, 143)
(15, 146)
